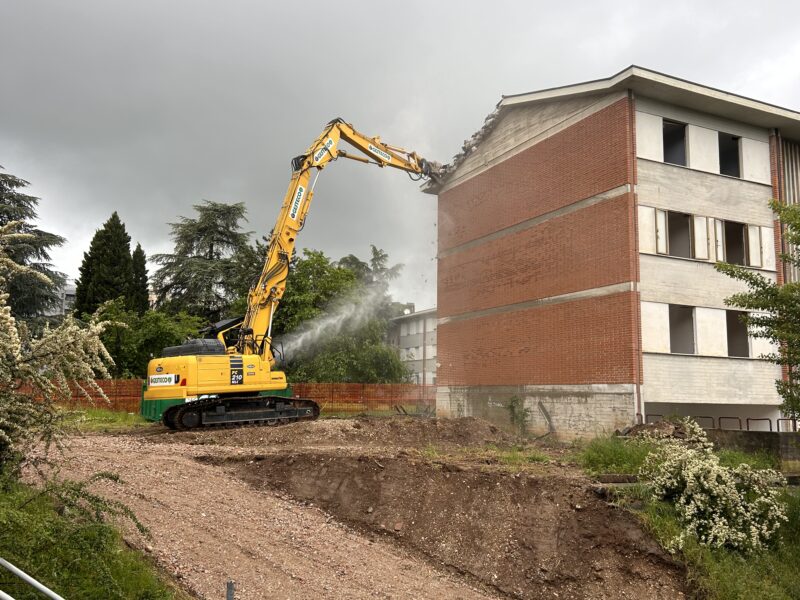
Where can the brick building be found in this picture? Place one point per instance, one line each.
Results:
(578, 231)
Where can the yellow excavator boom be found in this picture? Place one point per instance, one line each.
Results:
(210, 382)
(255, 335)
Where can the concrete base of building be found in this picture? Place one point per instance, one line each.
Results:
(564, 411)
(752, 417)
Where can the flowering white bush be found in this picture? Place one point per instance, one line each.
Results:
(36, 372)
(719, 506)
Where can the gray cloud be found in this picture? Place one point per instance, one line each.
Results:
(148, 107)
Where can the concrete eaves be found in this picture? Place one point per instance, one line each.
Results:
(642, 82)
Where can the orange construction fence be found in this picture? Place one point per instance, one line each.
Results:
(124, 395)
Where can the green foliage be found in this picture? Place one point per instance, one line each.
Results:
(202, 275)
(343, 308)
(139, 293)
(134, 339)
(76, 556)
(102, 419)
(314, 282)
(30, 294)
(614, 455)
(516, 457)
(518, 414)
(361, 356)
(724, 574)
(35, 371)
(106, 272)
(719, 507)
(757, 460)
(776, 309)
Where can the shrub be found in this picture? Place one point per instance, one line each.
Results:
(615, 455)
(720, 506)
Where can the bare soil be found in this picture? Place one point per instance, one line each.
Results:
(388, 432)
(374, 508)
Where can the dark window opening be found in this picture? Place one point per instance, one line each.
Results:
(729, 155)
(738, 344)
(681, 329)
(679, 228)
(735, 243)
(675, 143)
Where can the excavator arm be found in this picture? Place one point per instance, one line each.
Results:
(255, 333)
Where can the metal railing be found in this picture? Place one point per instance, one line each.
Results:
(782, 425)
(27, 579)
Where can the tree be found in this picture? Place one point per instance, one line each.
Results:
(133, 339)
(361, 356)
(197, 276)
(139, 294)
(106, 272)
(35, 372)
(29, 294)
(333, 320)
(314, 282)
(776, 315)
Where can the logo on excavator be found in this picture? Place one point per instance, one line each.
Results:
(378, 152)
(324, 150)
(166, 379)
(296, 202)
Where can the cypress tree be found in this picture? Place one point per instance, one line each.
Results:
(29, 296)
(107, 270)
(139, 294)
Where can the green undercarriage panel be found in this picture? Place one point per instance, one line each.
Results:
(153, 409)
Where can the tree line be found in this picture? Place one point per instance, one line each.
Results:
(205, 278)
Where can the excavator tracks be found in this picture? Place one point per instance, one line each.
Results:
(239, 411)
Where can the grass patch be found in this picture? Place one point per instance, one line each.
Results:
(727, 575)
(521, 456)
(75, 558)
(757, 460)
(103, 419)
(613, 455)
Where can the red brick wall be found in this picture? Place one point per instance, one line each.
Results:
(587, 158)
(592, 340)
(582, 250)
(585, 341)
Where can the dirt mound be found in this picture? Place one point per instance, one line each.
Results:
(525, 536)
(386, 432)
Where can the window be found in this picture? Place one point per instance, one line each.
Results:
(679, 231)
(403, 329)
(681, 234)
(675, 143)
(738, 342)
(729, 155)
(735, 242)
(681, 329)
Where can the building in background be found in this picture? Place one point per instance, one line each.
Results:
(578, 231)
(414, 334)
(67, 303)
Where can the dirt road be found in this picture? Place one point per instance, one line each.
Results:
(375, 508)
(208, 527)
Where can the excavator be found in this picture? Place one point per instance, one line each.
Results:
(230, 377)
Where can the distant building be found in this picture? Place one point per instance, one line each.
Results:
(66, 303)
(414, 334)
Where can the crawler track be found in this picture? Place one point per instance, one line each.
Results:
(239, 411)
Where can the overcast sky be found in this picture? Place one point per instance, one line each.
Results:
(148, 107)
